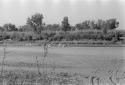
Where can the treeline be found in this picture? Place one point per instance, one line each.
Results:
(36, 29)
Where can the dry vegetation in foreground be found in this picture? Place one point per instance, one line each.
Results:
(111, 75)
(23, 77)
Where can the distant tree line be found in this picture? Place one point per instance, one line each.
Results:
(36, 29)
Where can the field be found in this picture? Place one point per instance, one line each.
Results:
(82, 60)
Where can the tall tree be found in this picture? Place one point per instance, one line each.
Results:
(36, 22)
(65, 24)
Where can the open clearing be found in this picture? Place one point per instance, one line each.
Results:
(74, 59)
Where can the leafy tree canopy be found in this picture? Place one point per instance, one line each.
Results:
(9, 27)
(36, 22)
(65, 24)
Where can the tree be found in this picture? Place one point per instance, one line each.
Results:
(92, 24)
(65, 24)
(53, 27)
(104, 27)
(25, 28)
(36, 22)
(87, 24)
(15, 36)
(79, 26)
(9, 27)
(112, 23)
(1, 29)
(99, 24)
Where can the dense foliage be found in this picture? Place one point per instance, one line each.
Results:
(36, 29)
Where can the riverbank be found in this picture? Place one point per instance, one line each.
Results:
(65, 44)
(78, 45)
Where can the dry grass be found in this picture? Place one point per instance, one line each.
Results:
(77, 66)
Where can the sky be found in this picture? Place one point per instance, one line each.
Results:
(17, 11)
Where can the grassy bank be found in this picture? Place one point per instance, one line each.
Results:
(83, 43)
(64, 66)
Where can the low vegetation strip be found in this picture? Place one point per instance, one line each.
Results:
(23, 77)
(84, 43)
(33, 65)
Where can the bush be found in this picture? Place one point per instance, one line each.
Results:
(93, 35)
